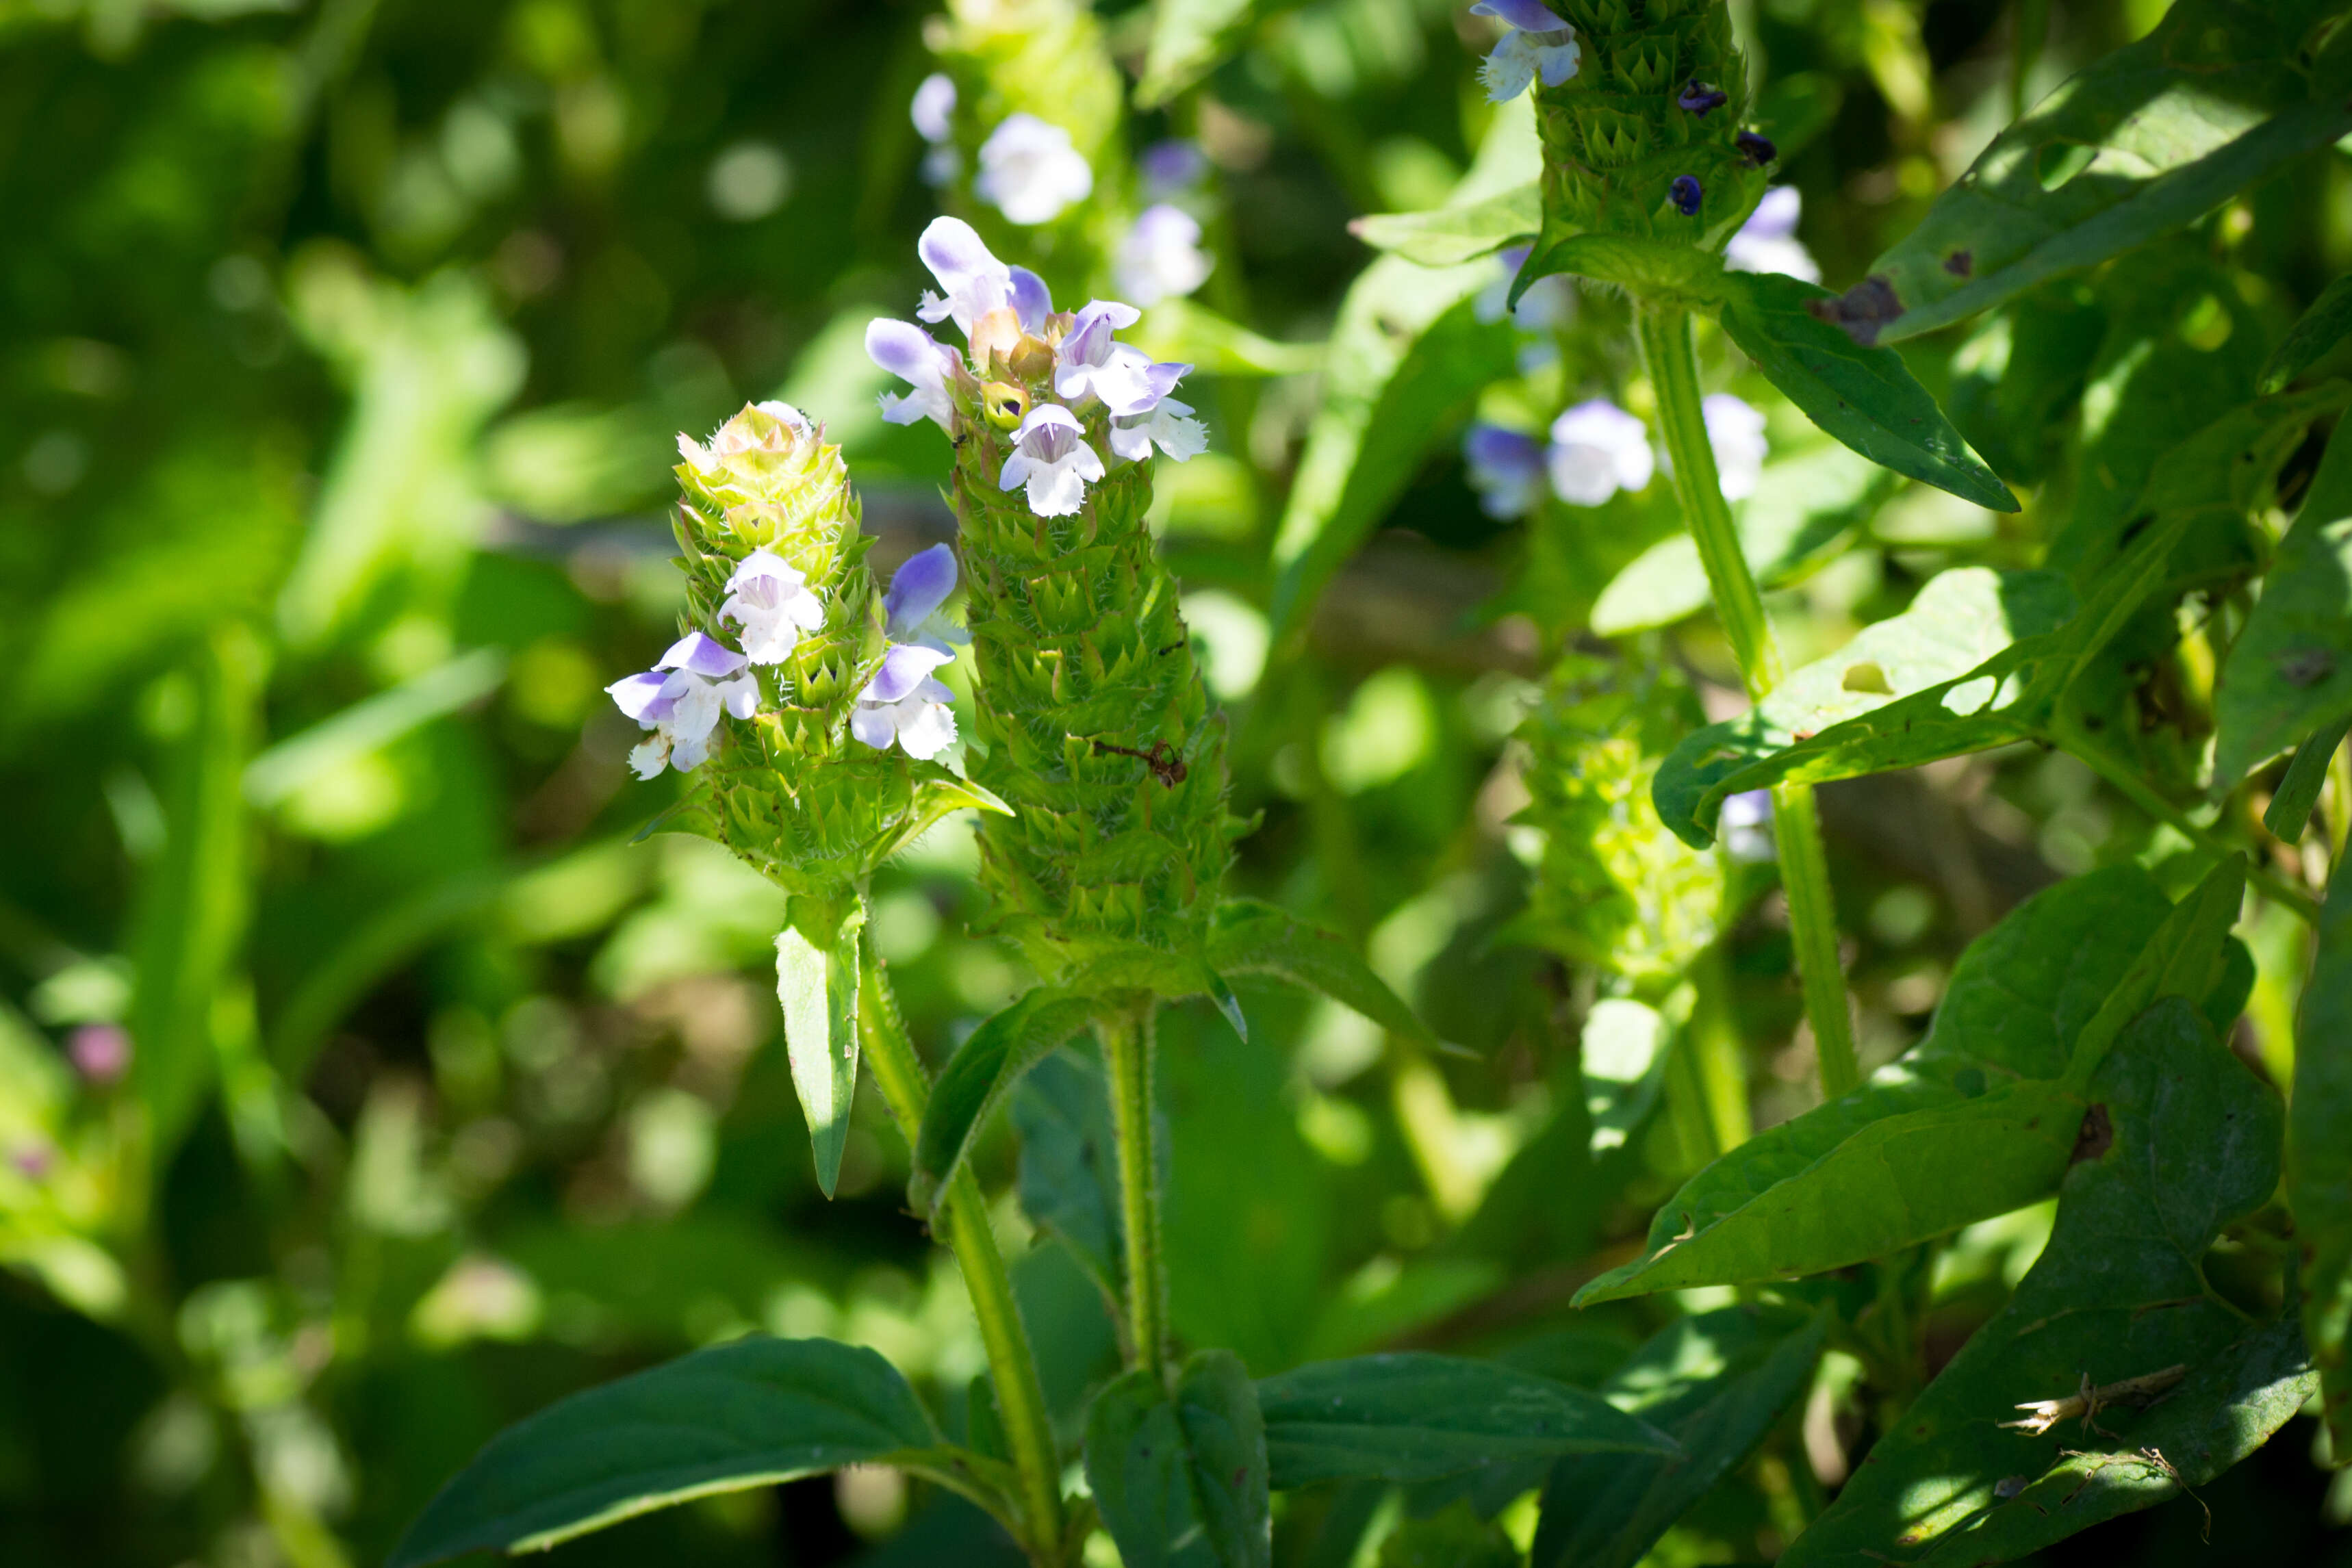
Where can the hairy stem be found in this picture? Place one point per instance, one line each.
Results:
(1013, 1367)
(1128, 1042)
(1666, 349)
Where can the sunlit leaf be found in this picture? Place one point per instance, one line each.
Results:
(1069, 1161)
(816, 981)
(1254, 938)
(1449, 236)
(982, 1072)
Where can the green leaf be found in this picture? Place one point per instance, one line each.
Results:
(1866, 397)
(816, 982)
(2319, 1156)
(2289, 812)
(2289, 673)
(2140, 142)
(1804, 511)
(1935, 681)
(370, 725)
(1407, 356)
(1181, 1481)
(2019, 376)
(1251, 938)
(1414, 1416)
(1717, 1384)
(982, 1072)
(2188, 957)
(1978, 1119)
(1643, 267)
(1189, 38)
(2314, 335)
(1184, 330)
(1070, 1161)
(2191, 1142)
(936, 800)
(1795, 108)
(749, 1413)
(194, 900)
(1449, 236)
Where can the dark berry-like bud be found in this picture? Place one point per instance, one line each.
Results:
(1686, 195)
(1699, 97)
(1756, 149)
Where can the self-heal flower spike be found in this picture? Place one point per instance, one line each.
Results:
(1768, 241)
(1507, 469)
(1538, 44)
(905, 703)
(770, 600)
(1052, 459)
(681, 698)
(1161, 259)
(1598, 449)
(911, 608)
(1030, 172)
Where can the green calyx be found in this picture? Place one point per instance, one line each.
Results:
(1636, 150)
(790, 790)
(1099, 731)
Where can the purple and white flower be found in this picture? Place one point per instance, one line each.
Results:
(100, 1053)
(1165, 423)
(769, 598)
(932, 111)
(1507, 469)
(915, 357)
(1030, 172)
(1768, 241)
(1744, 827)
(905, 703)
(1596, 450)
(680, 700)
(975, 282)
(1538, 44)
(1051, 457)
(1172, 168)
(1093, 364)
(912, 607)
(1161, 259)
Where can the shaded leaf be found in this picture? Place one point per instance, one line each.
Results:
(816, 982)
(733, 1416)
(982, 1072)
(1251, 938)
(1804, 511)
(2315, 335)
(2289, 812)
(1189, 38)
(2119, 1293)
(1414, 1416)
(1715, 1383)
(1070, 1161)
(1449, 236)
(2019, 376)
(1978, 1119)
(2319, 1157)
(1866, 397)
(2140, 142)
(1182, 1480)
(2290, 671)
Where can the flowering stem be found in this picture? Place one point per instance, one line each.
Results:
(1666, 349)
(1013, 1367)
(1128, 1036)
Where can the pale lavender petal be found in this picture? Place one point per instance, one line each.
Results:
(703, 656)
(876, 726)
(1497, 451)
(640, 696)
(905, 350)
(1776, 215)
(955, 253)
(935, 100)
(1046, 417)
(904, 668)
(1120, 316)
(1530, 16)
(918, 588)
(1172, 165)
(1032, 301)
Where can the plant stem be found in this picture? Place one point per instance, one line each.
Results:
(1128, 1037)
(1667, 351)
(1013, 1367)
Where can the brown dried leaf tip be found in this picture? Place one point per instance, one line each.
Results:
(2086, 1402)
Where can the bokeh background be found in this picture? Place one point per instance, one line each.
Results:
(342, 346)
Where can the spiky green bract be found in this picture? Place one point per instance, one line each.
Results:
(793, 791)
(1615, 889)
(1616, 136)
(1099, 732)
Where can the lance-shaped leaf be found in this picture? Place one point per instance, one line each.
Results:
(1414, 1416)
(1999, 1456)
(2140, 142)
(816, 981)
(2319, 1157)
(982, 1072)
(1866, 397)
(2290, 671)
(1939, 679)
(1069, 1161)
(2289, 812)
(1180, 1480)
(749, 1413)
(1254, 938)
(1449, 236)
(935, 801)
(1804, 511)
(1717, 1384)
(2315, 335)
(1980, 1119)
(1407, 356)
